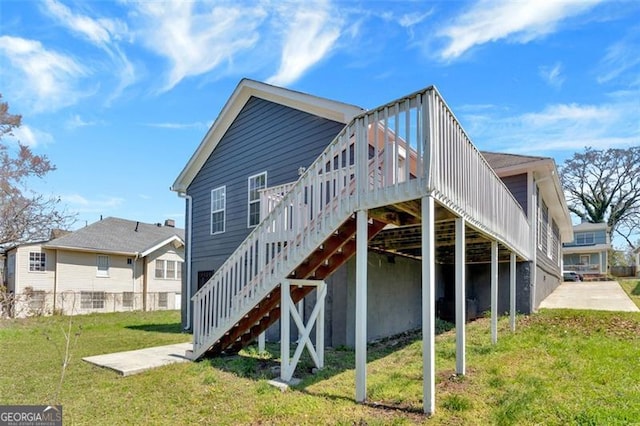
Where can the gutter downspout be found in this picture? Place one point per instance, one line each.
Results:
(187, 297)
(533, 220)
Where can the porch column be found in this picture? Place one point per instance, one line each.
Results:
(512, 291)
(460, 297)
(361, 305)
(494, 291)
(428, 305)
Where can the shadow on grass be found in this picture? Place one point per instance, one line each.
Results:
(636, 290)
(254, 365)
(158, 328)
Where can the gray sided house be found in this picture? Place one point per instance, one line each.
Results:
(266, 137)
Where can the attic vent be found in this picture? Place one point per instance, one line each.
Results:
(170, 223)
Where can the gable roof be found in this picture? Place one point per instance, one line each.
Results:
(502, 161)
(119, 236)
(321, 107)
(590, 226)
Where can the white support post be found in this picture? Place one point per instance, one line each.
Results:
(261, 342)
(361, 305)
(494, 292)
(428, 305)
(460, 298)
(321, 292)
(285, 306)
(512, 291)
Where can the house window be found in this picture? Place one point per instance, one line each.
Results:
(218, 207)
(92, 299)
(168, 269)
(37, 261)
(162, 300)
(256, 183)
(127, 299)
(103, 266)
(11, 265)
(585, 259)
(585, 238)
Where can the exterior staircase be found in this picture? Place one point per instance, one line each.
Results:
(405, 150)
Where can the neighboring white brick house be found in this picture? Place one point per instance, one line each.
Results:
(111, 265)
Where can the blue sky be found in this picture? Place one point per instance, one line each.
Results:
(118, 94)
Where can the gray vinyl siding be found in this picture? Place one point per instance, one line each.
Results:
(517, 184)
(265, 136)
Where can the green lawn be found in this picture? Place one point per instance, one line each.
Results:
(559, 368)
(632, 287)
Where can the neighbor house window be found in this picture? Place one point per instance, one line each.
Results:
(218, 206)
(162, 300)
(127, 299)
(585, 238)
(168, 269)
(103, 266)
(37, 261)
(92, 299)
(256, 183)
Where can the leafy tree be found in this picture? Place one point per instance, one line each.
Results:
(24, 214)
(604, 186)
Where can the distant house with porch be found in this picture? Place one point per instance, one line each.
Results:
(111, 265)
(588, 253)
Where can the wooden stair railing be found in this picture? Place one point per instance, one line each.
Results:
(321, 263)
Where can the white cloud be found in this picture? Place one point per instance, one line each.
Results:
(197, 37)
(30, 137)
(46, 79)
(552, 75)
(100, 204)
(97, 31)
(76, 122)
(520, 21)
(620, 58)
(309, 37)
(102, 32)
(178, 126)
(559, 127)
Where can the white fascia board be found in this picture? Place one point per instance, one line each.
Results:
(161, 244)
(597, 248)
(325, 108)
(92, 250)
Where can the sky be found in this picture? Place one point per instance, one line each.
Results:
(119, 94)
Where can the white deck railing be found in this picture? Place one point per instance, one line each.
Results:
(399, 152)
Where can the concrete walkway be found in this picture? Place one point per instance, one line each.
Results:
(134, 362)
(596, 295)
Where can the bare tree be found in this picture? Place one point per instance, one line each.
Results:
(24, 214)
(604, 186)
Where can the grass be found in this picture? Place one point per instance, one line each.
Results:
(559, 367)
(632, 287)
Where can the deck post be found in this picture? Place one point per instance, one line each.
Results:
(361, 305)
(460, 297)
(261, 342)
(494, 291)
(512, 291)
(428, 305)
(285, 307)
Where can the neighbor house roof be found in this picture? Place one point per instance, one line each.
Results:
(588, 226)
(119, 236)
(546, 175)
(321, 107)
